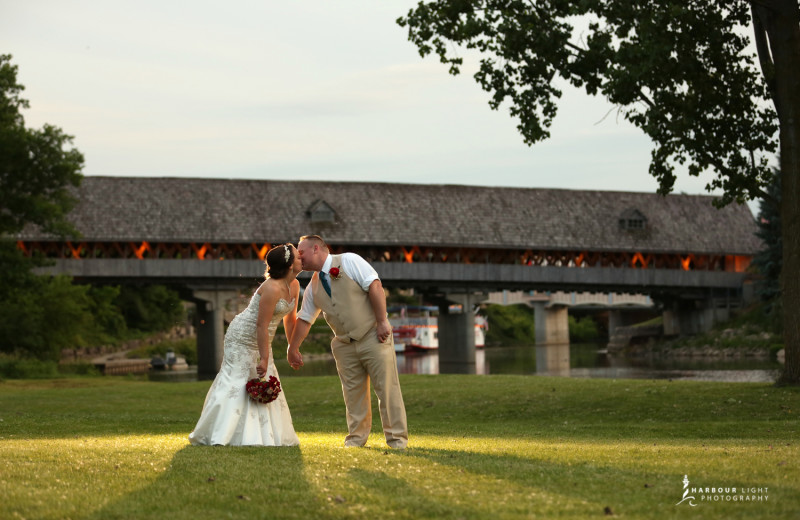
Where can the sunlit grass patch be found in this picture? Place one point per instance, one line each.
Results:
(480, 448)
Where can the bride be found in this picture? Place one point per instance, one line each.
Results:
(229, 416)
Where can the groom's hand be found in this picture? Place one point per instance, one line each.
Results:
(295, 358)
(384, 330)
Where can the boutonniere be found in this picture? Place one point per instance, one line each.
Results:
(334, 272)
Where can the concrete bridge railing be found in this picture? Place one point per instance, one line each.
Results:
(572, 299)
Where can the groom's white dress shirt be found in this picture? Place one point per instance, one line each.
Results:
(358, 269)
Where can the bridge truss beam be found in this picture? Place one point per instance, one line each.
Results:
(426, 277)
(148, 250)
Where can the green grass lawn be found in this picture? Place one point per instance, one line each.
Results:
(492, 447)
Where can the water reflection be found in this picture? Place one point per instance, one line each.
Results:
(576, 360)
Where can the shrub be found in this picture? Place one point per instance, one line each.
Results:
(583, 330)
(15, 367)
(186, 348)
(46, 316)
(510, 325)
(150, 308)
(78, 369)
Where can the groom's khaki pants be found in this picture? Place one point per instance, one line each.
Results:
(358, 363)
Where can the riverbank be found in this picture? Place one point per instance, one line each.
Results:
(751, 334)
(480, 448)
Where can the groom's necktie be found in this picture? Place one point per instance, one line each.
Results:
(323, 277)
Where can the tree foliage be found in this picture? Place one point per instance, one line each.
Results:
(679, 70)
(150, 308)
(510, 325)
(666, 64)
(582, 330)
(770, 259)
(44, 316)
(36, 166)
(38, 315)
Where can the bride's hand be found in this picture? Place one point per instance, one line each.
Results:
(295, 358)
(261, 368)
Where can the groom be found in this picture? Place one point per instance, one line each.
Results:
(350, 295)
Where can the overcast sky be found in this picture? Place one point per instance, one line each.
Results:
(303, 90)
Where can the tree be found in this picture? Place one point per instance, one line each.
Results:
(36, 168)
(38, 315)
(45, 316)
(677, 69)
(150, 308)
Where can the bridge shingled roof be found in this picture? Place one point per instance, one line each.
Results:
(172, 209)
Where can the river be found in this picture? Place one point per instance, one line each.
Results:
(576, 360)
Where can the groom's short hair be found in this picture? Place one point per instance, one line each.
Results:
(316, 239)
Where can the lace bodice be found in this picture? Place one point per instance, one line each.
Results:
(242, 329)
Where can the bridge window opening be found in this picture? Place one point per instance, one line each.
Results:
(631, 223)
(640, 260)
(635, 223)
(737, 264)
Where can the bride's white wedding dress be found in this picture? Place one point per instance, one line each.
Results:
(229, 416)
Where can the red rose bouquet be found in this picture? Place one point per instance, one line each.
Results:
(263, 390)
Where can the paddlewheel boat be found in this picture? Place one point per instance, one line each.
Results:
(421, 332)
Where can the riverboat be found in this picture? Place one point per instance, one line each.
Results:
(421, 332)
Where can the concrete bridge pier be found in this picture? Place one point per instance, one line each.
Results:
(614, 321)
(551, 323)
(457, 333)
(691, 317)
(210, 329)
(552, 338)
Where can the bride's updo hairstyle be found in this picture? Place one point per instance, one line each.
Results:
(279, 260)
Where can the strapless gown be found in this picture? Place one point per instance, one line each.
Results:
(229, 416)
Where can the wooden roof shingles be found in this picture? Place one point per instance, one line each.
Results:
(221, 210)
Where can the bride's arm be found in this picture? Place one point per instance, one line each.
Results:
(266, 306)
(290, 319)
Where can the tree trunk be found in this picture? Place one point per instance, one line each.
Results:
(780, 19)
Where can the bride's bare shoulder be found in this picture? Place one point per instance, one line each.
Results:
(267, 288)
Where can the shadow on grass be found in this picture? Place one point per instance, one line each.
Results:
(406, 500)
(222, 482)
(533, 487)
(584, 488)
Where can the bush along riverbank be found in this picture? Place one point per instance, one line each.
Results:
(753, 334)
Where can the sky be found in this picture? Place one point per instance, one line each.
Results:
(303, 90)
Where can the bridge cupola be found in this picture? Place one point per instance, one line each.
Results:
(320, 212)
(632, 220)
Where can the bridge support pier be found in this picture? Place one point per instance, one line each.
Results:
(552, 338)
(693, 317)
(614, 321)
(210, 329)
(551, 323)
(457, 334)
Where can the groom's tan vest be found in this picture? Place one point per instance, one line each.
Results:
(348, 310)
